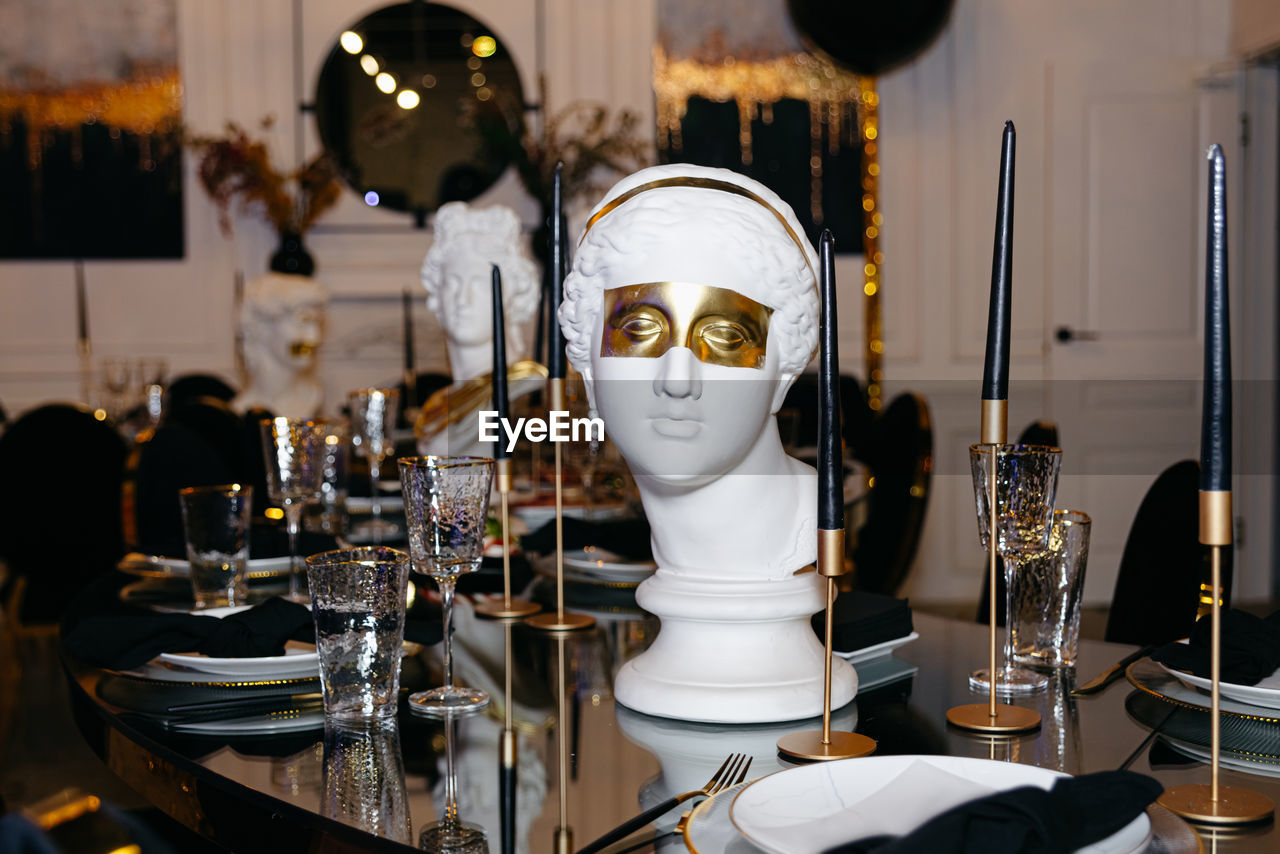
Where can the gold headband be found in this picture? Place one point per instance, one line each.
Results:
(703, 184)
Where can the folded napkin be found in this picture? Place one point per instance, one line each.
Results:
(865, 619)
(1076, 812)
(125, 640)
(626, 537)
(1250, 648)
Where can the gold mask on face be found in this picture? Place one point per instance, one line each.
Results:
(720, 326)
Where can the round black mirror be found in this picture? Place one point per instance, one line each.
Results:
(402, 101)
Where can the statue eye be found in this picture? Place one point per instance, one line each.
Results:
(724, 336)
(641, 328)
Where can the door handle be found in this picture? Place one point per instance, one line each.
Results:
(1065, 335)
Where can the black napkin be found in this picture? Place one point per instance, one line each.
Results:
(1250, 648)
(125, 640)
(628, 538)
(1076, 812)
(865, 619)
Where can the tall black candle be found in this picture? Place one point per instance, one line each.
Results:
(830, 449)
(1215, 424)
(555, 341)
(500, 400)
(995, 369)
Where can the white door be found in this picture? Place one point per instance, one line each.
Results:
(1124, 272)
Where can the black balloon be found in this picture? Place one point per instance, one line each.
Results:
(870, 36)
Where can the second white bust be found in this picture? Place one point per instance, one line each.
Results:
(690, 310)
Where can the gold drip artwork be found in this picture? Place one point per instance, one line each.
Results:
(843, 114)
(147, 105)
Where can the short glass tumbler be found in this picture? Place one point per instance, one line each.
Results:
(364, 783)
(358, 603)
(1046, 595)
(215, 521)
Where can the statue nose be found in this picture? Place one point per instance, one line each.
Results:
(678, 374)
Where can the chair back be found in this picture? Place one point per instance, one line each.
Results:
(898, 449)
(1157, 593)
(188, 387)
(60, 520)
(855, 415)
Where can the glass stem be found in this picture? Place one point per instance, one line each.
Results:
(447, 586)
(1010, 569)
(292, 520)
(450, 773)
(375, 475)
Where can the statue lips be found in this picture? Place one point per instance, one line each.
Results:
(676, 428)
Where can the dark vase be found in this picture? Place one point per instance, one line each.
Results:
(292, 256)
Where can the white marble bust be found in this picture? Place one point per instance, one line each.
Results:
(458, 276)
(282, 324)
(690, 310)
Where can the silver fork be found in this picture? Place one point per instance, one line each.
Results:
(731, 773)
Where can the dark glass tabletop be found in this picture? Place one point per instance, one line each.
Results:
(297, 786)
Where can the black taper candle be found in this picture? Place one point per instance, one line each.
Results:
(830, 449)
(501, 402)
(555, 341)
(1215, 425)
(995, 370)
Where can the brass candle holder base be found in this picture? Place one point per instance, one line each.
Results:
(550, 621)
(501, 610)
(564, 840)
(1007, 719)
(1195, 803)
(809, 746)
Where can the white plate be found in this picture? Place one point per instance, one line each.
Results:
(298, 659)
(596, 562)
(1226, 758)
(364, 504)
(810, 809)
(151, 566)
(867, 653)
(1265, 694)
(537, 515)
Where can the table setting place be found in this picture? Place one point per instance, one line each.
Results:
(755, 693)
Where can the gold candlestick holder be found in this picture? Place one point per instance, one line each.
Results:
(1216, 804)
(560, 621)
(824, 744)
(993, 717)
(508, 608)
(564, 833)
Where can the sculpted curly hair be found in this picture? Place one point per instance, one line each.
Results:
(744, 229)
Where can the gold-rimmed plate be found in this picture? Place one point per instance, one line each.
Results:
(154, 566)
(1154, 679)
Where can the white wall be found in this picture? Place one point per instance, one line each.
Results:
(940, 125)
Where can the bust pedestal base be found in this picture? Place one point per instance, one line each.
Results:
(732, 652)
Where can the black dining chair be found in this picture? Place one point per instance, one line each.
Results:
(856, 415)
(60, 521)
(1158, 588)
(898, 450)
(1038, 432)
(426, 384)
(188, 387)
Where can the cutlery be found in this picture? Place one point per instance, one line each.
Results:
(1112, 673)
(731, 773)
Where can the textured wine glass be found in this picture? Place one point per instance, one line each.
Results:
(1026, 486)
(446, 505)
(294, 451)
(452, 835)
(373, 419)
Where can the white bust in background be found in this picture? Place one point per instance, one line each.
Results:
(699, 435)
(690, 310)
(458, 276)
(282, 325)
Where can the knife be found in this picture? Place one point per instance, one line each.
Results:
(1112, 673)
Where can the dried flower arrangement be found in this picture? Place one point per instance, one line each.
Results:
(236, 165)
(592, 145)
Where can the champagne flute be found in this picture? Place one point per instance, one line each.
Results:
(373, 418)
(294, 449)
(446, 506)
(1026, 484)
